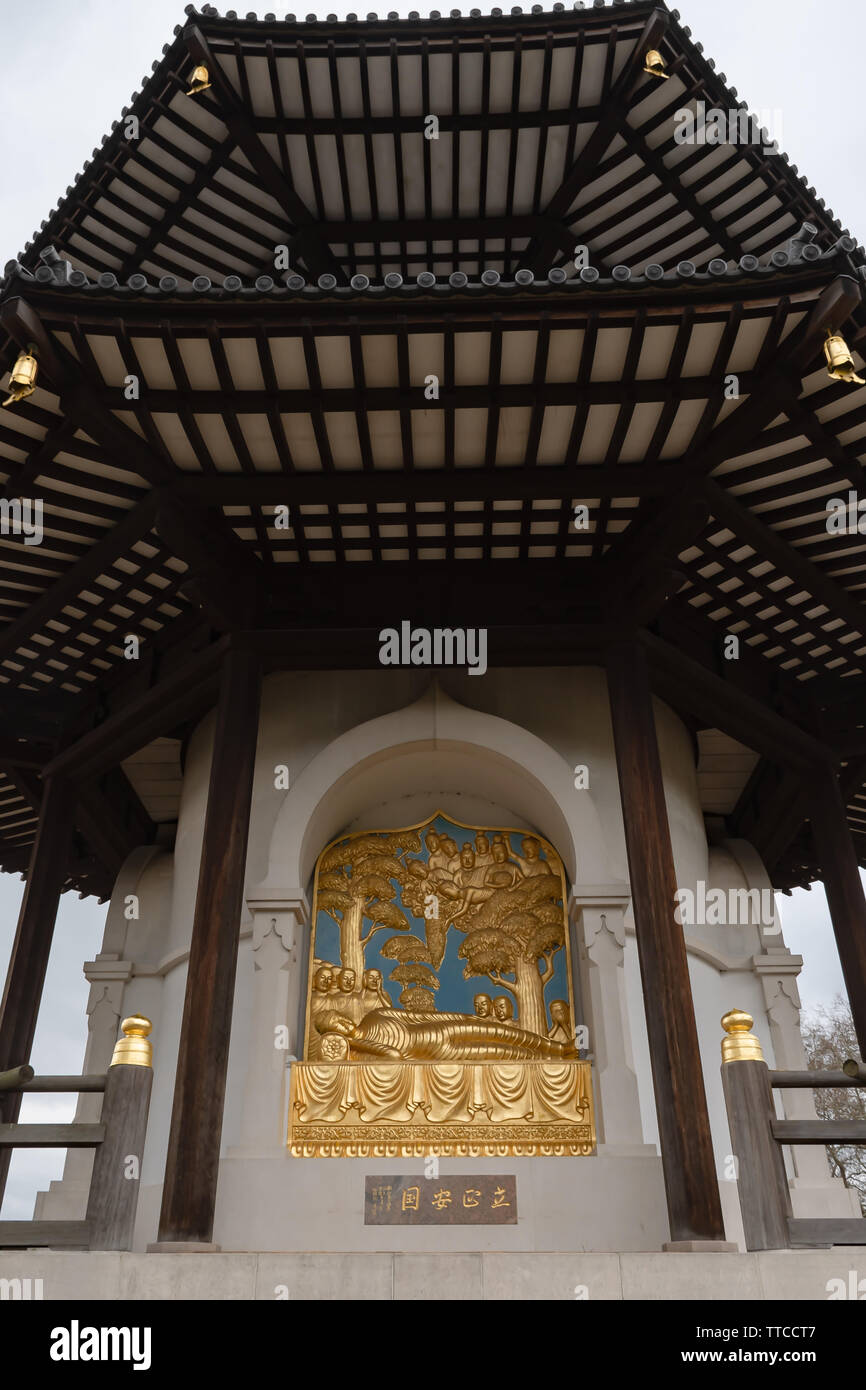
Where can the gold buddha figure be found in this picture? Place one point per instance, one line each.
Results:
(445, 1037)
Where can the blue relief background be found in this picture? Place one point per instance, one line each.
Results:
(455, 993)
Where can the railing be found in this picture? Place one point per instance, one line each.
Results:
(757, 1136)
(118, 1139)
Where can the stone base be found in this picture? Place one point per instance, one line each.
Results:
(183, 1247)
(605, 1202)
(112, 1276)
(699, 1247)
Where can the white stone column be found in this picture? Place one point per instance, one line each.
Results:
(777, 968)
(279, 934)
(598, 917)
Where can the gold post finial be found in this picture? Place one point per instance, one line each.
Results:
(134, 1049)
(740, 1045)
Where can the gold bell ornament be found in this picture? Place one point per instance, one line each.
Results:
(655, 65)
(840, 363)
(200, 81)
(22, 380)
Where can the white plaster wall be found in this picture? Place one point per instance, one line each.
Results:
(373, 749)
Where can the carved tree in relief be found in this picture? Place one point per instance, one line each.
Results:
(512, 933)
(355, 888)
(418, 982)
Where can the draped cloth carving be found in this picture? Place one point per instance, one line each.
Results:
(414, 1107)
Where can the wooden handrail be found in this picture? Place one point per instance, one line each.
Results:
(24, 1079)
(95, 1081)
(71, 1136)
(757, 1137)
(116, 1139)
(15, 1078)
(819, 1131)
(808, 1080)
(59, 1235)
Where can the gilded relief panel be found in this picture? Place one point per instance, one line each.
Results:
(439, 1009)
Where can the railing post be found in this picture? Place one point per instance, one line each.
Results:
(765, 1201)
(114, 1185)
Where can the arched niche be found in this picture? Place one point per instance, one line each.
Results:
(433, 754)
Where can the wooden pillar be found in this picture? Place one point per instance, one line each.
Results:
(46, 875)
(840, 874)
(189, 1193)
(692, 1189)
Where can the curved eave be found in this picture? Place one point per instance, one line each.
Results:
(194, 202)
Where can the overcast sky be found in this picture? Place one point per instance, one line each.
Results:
(65, 73)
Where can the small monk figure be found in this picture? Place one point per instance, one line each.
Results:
(560, 1029)
(374, 993)
(503, 1009)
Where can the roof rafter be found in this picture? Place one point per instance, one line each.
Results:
(614, 116)
(236, 117)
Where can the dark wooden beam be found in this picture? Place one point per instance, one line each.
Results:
(225, 579)
(673, 183)
(434, 485)
(101, 838)
(80, 399)
(298, 401)
(639, 572)
(406, 229)
(192, 1164)
(852, 779)
(840, 875)
(780, 382)
(770, 811)
(414, 125)
(769, 545)
(46, 878)
(186, 691)
(206, 543)
(615, 107)
(237, 119)
(768, 393)
(694, 1208)
(24, 752)
(115, 544)
(719, 703)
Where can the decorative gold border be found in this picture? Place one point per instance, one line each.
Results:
(339, 1143)
(420, 825)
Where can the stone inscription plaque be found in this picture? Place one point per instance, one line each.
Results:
(455, 1200)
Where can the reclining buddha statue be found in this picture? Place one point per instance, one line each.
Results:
(433, 1037)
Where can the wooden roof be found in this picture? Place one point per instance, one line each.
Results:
(312, 137)
(676, 389)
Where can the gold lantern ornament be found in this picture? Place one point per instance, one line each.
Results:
(22, 380)
(655, 65)
(840, 363)
(200, 81)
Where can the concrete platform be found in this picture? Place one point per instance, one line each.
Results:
(332, 1277)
